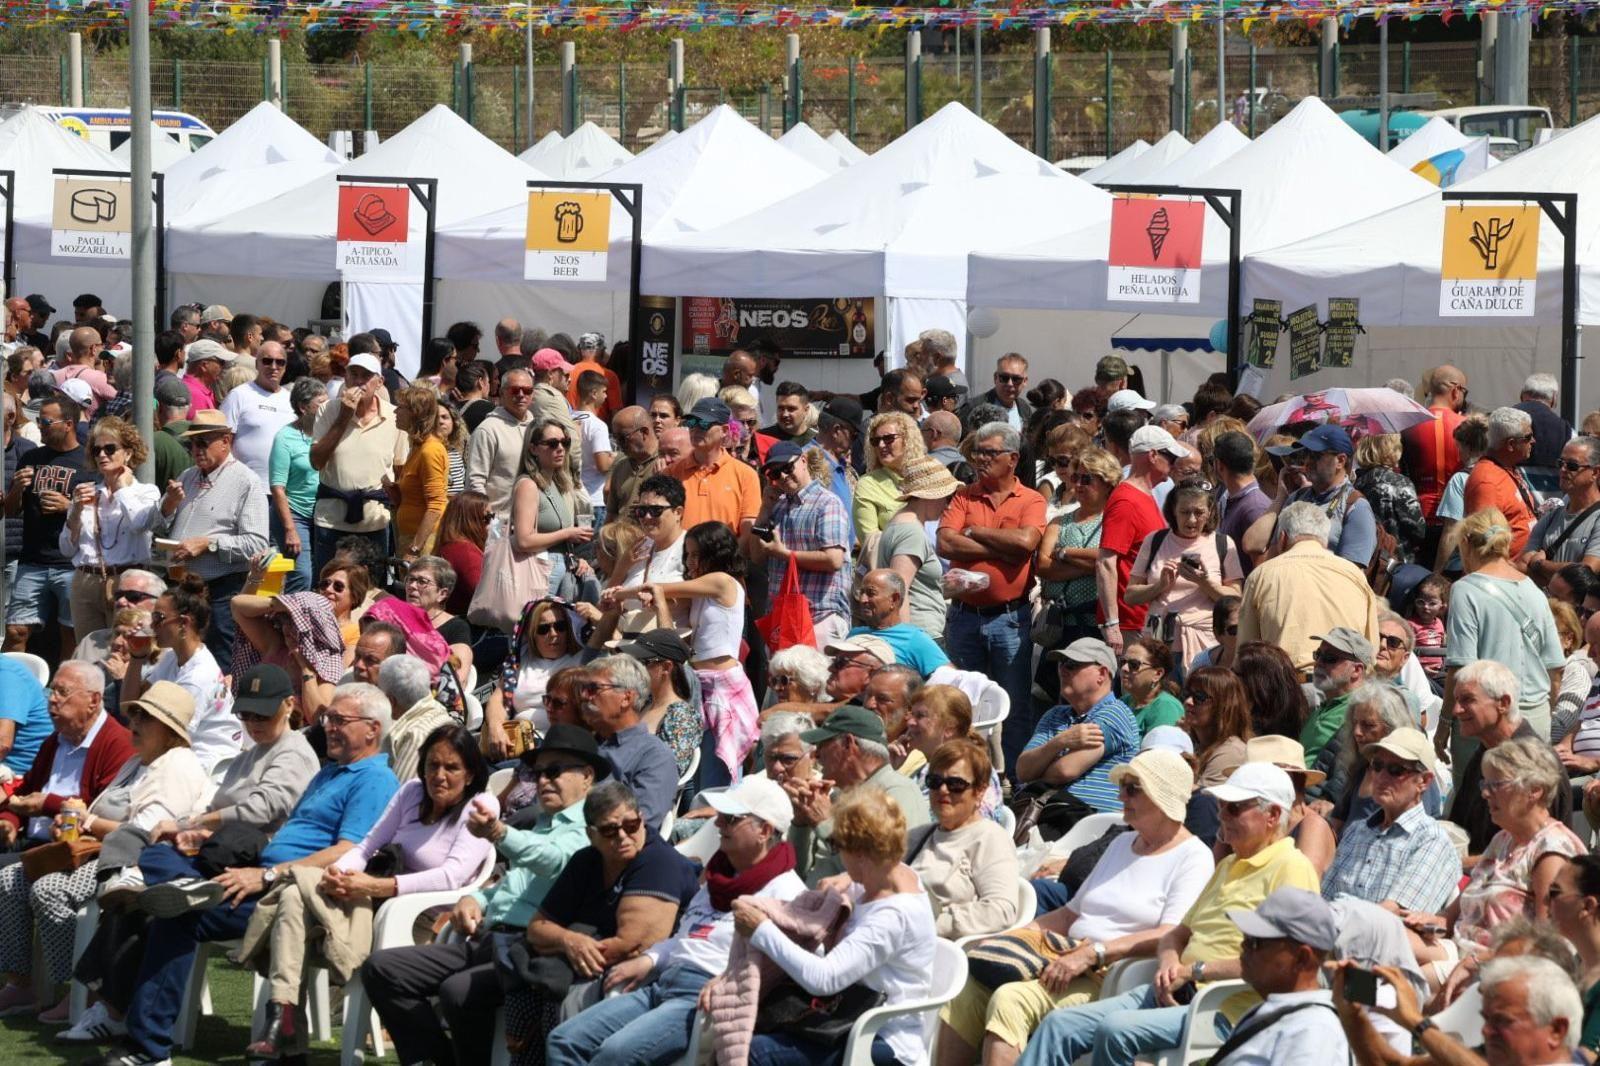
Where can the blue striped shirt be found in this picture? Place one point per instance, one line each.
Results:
(1121, 734)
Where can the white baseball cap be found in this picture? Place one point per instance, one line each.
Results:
(758, 797)
(1156, 439)
(78, 390)
(365, 361)
(1127, 399)
(1256, 781)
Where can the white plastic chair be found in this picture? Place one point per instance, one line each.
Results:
(1122, 976)
(702, 845)
(499, 780)
(1027, 904)
(474, 710)
(1089, 829)
(1463, 1019)
(1007, 819)
(36, 666)
(391, 928)
(1200, 1039)
(687, 776)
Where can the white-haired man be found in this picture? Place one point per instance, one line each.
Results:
(1569, 532)
(937, 348)
(404, 679)
(1540, 394)
(1495, 480)
(135, 588)
(611, 699)
(1305, 591)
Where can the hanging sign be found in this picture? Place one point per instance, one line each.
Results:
(92, 218)
(1339, 335)
(1155, 250)
(1266, 326)
(1305, 341)
(373, 235)
(568, 235)
(654, 371)
(1490, 264)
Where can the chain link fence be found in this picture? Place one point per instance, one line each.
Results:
(1097, 102)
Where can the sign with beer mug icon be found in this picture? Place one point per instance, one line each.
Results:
(567, 236)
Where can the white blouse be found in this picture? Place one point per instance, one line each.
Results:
(117, 530)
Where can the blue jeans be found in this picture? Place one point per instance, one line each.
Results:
(1000, 647)
(769, 1049)
(40, 595)
(1051, 894)
(645, 1027)
(300, 579)
(220, 634)
(1116, 1030)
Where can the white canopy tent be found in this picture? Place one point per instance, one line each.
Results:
(298, 244)
(1221, 142)
(1143, 168)
(539, 152)
(1391, 262)
(720, 168)
(806, 143)
(846, 147)
(1428, 140)
(589, 152)
(262, 155)
(898, 224)
(164, 150)
(1107, 171)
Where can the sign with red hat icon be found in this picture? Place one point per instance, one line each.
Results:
(374, 233)
(1155, 250)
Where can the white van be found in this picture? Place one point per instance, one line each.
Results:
(109, 127)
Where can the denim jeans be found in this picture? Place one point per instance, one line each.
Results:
(1051, 893)
(1115, 1031)
(300, 579)
(781, 1049)
(220, 634)
(999, 647)
(645, 1027)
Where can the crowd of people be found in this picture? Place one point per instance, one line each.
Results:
(703, 720)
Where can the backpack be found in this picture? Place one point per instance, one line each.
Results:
(1380, 567)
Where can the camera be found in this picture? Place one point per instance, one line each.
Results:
(763, 533)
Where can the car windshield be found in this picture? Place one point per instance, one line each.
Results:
(1521, 126)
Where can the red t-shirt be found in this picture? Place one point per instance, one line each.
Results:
(1432, 456)
(1130, 516)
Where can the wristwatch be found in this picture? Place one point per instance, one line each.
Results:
(270, 876)
(1422, 1027)
(1197, 972)
(1099, 955)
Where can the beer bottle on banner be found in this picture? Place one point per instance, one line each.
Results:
(858, 329)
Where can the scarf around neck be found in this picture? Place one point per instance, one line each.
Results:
(726, 885)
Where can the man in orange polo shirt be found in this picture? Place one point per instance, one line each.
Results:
(592, 356)
(1495, 480)
(993, 527)
(716, 486)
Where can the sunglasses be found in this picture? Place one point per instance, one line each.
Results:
(1256, 943)
(885, 440)
(591, 688)
(1571, 467)
(1134, 665)
(340, 721)
(1196, 697)
(985, 454)
(1084, 479)
(1010, 379)
(271, 362)
(1331, 658)
(551, 771)
(135, 596)
(953, 785)
(1130, 788)
(334, 584)
(728, 821)
(844, 664)
(104, 449)
(544, 629)
(1393, 643)
(517, 390)
(648, 510)
(1231, 631)
(1392, 769)
(696, 423)
(159, 619)
(778, 471)
(612, 830)
(1234, 810)
(199, 444)
(1489, 788)
(555, 442)
(1061, 460)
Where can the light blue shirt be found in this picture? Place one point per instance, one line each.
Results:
(535, 858)
(22, 700)
(912, 647)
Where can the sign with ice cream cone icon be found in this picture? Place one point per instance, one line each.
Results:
(1490, 264)
(1155, 250)
(568, 235)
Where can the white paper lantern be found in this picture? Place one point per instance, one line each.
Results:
(983, 322)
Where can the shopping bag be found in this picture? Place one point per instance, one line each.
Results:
(789, 623)
(511, 579)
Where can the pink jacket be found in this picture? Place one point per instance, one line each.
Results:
(811, 919)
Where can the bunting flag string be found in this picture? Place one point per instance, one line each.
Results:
(424, 16)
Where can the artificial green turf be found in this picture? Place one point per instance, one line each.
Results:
(219, 1037)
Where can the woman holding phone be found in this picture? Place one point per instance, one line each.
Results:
(108, 524)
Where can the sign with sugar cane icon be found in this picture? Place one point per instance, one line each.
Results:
(1490, 263)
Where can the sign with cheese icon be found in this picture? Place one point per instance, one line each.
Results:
(91, 218)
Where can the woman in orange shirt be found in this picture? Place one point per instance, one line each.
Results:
(423, 488)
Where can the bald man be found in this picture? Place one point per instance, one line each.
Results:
(880, 612)
(257, 409)
(941, 432)
(633, 432)
(673, 446)
(19, 318)
(83, 354)
(507, 338)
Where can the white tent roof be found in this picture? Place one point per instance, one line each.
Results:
(292, 235)
(33, 146)
(720, 168)
(589, 152)
(1219, 143)
(1391, 261)
(1306, 174)
(164, 150)
(841, 236)
(538, 153)
(1108, 170)
(665, 138)
(1434, 136)
(262, 155)
(806, 143)
(846, 147)
(1144, 167)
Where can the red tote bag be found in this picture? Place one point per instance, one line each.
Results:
(790, 621)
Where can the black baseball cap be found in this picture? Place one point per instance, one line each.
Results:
(39, 305)
(940, 387)
(656, 644)
(576, 741)
(385, 342)
(262, 690)
(845, 409)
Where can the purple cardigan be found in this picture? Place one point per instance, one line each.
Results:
(437, 857)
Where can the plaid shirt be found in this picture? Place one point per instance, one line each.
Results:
(1411, 862)
(812, 521)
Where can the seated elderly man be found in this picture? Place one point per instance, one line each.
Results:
(1076, 744)
(1254, 805)
(852, 748)
(1398, 856)
(649, 1019)
(611, 701)
(460, 973)
(888, 695)
(342, 802)
(405, 681)
(880, 601)
(851, 664)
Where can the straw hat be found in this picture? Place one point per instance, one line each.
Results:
(209, 421)
(1165, 778)
(168, 703)
(1286, 754)
(927, 479)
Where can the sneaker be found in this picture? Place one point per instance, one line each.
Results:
(17, 999)
(60, 1014)
(125, 1058)
(173, 898)
(121, 889)
(97, 1026)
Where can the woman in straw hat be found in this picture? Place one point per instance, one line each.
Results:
(1141, 887)
(906, 548)
(163, 780)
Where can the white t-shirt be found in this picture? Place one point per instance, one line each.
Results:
(705, 935)
(256, 416)
(214, 733)
(653, 567)
(1128, 893)
(596, 439)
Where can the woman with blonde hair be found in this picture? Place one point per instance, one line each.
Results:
(746, 443)
(1392, 495)
(939, 714)
(421, 489)
(893, 440)
(109, 523)
(1498, 613)
(544, 502)
(694, 388)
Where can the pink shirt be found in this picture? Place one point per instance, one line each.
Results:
(101, 389)
(200, 393)
(436, 857)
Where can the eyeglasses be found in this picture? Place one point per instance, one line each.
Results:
(1489, 788)
(556, 442)
(340, 721)
(953, 785)
(421, 581)
(1009, 379)
(544, 629)
(590, 688)
(884, 440)
(135, 596)
(1571, 467)
(1234, 810)
(1526, 438)
(1060, 460)
(333, 583)
(1393, 643)
(649, 511)
(1392, 769)
(785, 761)
(553, 770)
(1084, 479)
(104, 449)
(65, 693)
(844, 662)
(626, 827)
